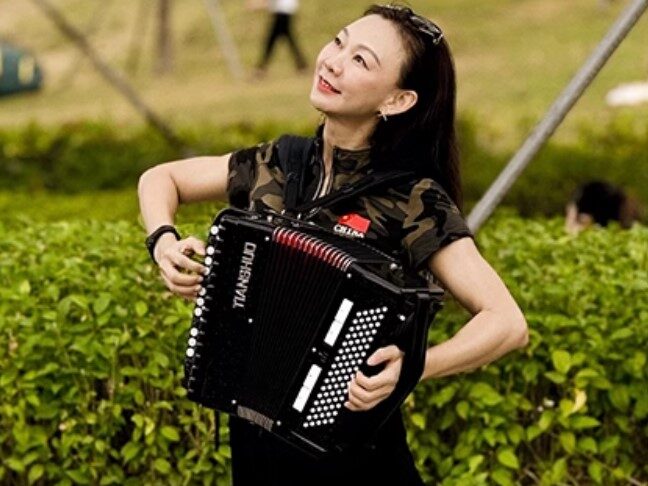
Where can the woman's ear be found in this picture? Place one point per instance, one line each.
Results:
(400, 102)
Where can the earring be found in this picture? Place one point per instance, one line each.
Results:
(384, 117)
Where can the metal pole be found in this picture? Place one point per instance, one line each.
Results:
(224, 38)
(556, 114)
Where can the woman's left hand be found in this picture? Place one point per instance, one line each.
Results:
(365, 392)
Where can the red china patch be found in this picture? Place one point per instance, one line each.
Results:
(355, 221)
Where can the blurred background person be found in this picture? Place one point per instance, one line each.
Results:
(599, 202)
(280, 25)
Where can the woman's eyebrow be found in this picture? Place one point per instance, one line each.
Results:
(345, 31)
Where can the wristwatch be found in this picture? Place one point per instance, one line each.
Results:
(152, 239)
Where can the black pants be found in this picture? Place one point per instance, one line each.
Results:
(259, 458)
(281, 27)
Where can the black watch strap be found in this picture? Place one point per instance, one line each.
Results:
(152, 239)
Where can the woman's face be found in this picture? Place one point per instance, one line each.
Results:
(356, 73)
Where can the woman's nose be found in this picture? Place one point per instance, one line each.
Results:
(333, 64)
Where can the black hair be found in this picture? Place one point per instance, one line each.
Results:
(601, 200)
(422, 139)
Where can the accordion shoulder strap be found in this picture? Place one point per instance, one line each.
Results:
(294, 153)
(370, 183)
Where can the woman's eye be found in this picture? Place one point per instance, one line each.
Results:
(337, 41)
(359, 59)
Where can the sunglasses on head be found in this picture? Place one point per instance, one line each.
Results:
(421, 24)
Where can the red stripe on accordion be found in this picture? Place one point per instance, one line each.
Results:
(312, 246)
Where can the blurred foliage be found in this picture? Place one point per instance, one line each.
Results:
(86, 157)
(571, 408)
(91, 352)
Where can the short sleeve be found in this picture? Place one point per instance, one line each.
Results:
(432, 222)
(243, 173)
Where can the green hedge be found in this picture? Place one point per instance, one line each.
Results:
(91, 353)
(86, 157)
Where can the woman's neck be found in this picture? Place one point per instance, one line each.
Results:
(344, 134)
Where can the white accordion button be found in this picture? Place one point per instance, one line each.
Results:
(214, 230)
(198, 312)
(200, 301)
(190, 352)
(193, 331)
(210, 250)
(192, 342)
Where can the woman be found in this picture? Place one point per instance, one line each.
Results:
(386, 86)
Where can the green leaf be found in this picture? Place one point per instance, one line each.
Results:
(141, 308)
(568, 442)
(556, 377)
(622, 334)
(516, 433)
(130, 451)
(561, 361)
(15, 464)
(559, 470)
(502, 477)
(462, 409)
(583, 422)
(485, 393)
(641, 405)
(546, 419)
(532, 432)
(506, 457)
(170, 433)
(474, 462)
(24, 288)
(595, 471)
(162, 465)
(35, 473)
(609, 443)
(588, 445)
(78, 476)
(619, 397)
(101, 303)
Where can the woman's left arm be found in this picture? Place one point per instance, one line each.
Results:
(497, 326)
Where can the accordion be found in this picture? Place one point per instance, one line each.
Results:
(287, 314)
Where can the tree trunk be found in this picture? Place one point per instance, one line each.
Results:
(164, 60)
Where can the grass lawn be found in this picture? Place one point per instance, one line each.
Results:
(513, 58)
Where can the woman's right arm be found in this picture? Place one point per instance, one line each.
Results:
(161, 189)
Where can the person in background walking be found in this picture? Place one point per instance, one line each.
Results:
(283, 12)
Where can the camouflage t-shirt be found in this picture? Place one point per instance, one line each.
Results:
(410, 221)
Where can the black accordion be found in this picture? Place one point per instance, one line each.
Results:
(287, 314)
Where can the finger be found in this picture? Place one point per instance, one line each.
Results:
(357, 393)
(381, 355)
(184, 279)
(356, 404)
(178, 278)
(388, 376)
(196, 245)
(187, 291)
(182, 261)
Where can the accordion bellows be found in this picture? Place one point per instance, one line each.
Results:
(287, 314)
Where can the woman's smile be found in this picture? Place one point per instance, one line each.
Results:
(325, 87)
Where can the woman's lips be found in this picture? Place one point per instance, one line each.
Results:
(326, 87)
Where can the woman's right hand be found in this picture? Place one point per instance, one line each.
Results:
(181, 274)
